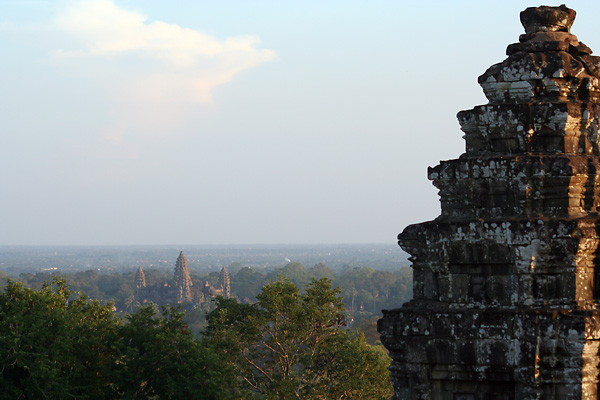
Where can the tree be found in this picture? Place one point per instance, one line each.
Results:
(246, 283)
(366, 324)
(293, 345)
(55, 344)
(294, 271)
(320, 271)
(160, 358)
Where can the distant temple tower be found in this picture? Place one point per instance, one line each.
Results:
(140, 278)
(224, 283)
(183, 282)
(507, 279)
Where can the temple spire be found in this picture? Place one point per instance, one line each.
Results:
(183, 282)
(140, 278)
(224, 283)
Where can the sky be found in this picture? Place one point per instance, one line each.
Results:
(140, 122)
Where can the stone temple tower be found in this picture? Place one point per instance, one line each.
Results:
(507, 278)
(140, 278)
(225, 283)
(183, 282)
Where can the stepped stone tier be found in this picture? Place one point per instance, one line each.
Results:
(507, 278)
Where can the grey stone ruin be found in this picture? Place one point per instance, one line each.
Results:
(507, 278)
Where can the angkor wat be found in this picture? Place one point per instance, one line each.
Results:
(183, 291)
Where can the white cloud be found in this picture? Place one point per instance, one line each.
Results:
(106, 29)
(152, 71)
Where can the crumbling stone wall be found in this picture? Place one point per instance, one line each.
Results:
(506, 287)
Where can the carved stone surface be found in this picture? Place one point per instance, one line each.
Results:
(506, 288)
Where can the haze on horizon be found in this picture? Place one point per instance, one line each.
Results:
(143, 122)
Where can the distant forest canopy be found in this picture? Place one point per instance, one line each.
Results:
(365, 290)
(17, 259)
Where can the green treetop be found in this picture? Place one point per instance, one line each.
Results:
(293, 345)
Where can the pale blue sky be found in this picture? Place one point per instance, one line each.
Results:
(229, 122)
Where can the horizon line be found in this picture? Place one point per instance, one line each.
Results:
(394, 243)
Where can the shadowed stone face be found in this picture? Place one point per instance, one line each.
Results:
(544, 18)
(506, 287)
